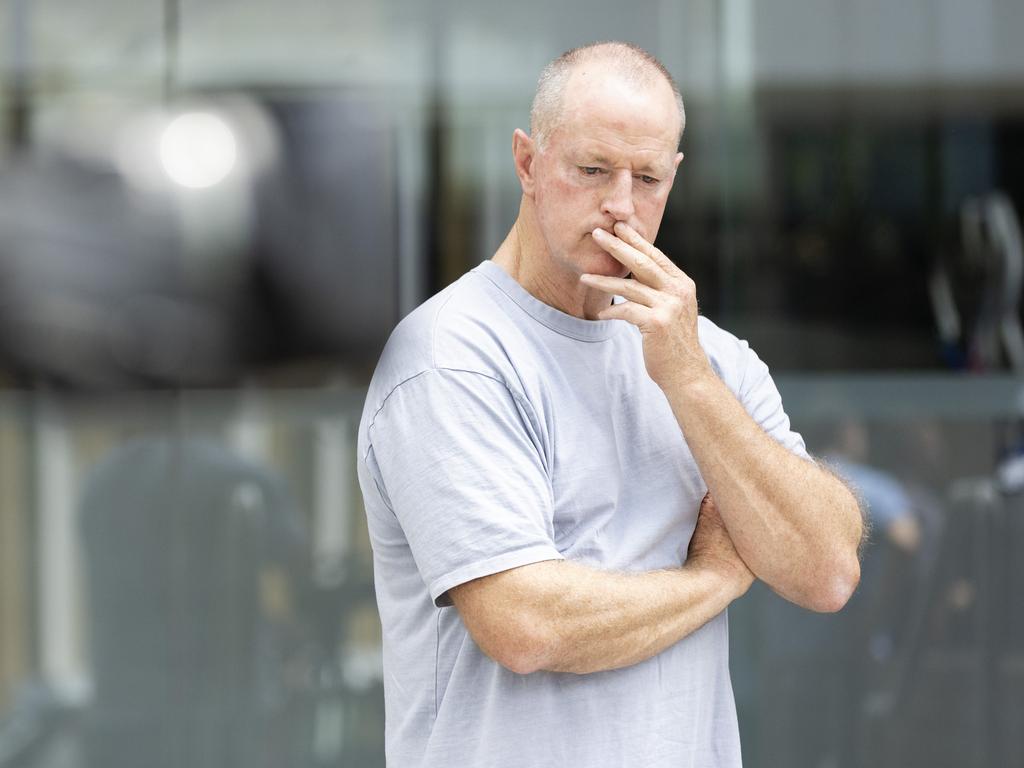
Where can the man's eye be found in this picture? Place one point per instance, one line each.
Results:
(590, 170)
(650, 180)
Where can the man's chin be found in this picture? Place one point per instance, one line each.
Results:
(603, 264)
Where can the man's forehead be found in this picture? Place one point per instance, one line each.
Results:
(603, 98)
(618, 135)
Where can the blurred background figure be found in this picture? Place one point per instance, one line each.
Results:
(212, 214)
(889, 506)
(195, 618)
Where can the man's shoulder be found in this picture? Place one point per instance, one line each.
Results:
(462, 327)
(718, 343)
(729, 355)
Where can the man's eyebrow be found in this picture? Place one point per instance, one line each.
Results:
(588, 157)
(657, 169)
(584, 157)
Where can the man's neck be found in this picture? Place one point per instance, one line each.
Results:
(525, 256)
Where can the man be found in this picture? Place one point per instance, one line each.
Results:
(565, 490)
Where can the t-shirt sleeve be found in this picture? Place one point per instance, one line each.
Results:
(761, 398)
(460, 462)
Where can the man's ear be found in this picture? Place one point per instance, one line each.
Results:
(524, 150)
(675, 165)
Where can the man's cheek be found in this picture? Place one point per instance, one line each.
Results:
(650, 220)
(569, 186)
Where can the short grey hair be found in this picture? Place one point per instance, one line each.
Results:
(631, 61)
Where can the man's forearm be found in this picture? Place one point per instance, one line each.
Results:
(582, 620)
(796, 526)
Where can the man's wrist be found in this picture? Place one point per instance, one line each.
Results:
(729, 580)
(695, 384)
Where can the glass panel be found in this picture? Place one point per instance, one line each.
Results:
(204, 592)
(201, 588)
(923, 666)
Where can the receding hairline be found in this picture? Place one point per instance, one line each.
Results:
(626, 60)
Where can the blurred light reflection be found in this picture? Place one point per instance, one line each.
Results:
(198, 150)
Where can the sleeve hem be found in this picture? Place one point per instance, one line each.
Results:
(534, 554)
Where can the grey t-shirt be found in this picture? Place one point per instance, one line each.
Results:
(499, 432)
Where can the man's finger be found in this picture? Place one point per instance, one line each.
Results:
(629, 311)
(708, 507)
(639, 263)
(633, 290)
(625, 232)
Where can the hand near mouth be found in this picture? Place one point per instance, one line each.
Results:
(661, 302)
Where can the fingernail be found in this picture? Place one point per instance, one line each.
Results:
(598, 232)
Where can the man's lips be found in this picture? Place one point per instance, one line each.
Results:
(610, 230)
(589, 233)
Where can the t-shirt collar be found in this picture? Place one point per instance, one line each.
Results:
(555, 319)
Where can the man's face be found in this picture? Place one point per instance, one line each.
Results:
(612, 158)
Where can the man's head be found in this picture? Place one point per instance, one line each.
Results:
(633, 63)
(606, 123)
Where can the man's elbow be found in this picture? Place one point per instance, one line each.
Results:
(837, 586)
(522, 645)
(841, 574)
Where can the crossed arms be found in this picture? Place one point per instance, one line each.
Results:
(769, 514)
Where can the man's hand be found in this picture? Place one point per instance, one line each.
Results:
(712, 547)
(796, 526)
(662, 303)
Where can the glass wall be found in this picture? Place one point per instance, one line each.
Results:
(185, 576)
(187, 581)
(923, 666)
(195, 585)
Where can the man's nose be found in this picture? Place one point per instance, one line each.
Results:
(618, 196)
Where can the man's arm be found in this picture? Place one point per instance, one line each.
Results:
(562, 616)
(797, 526)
